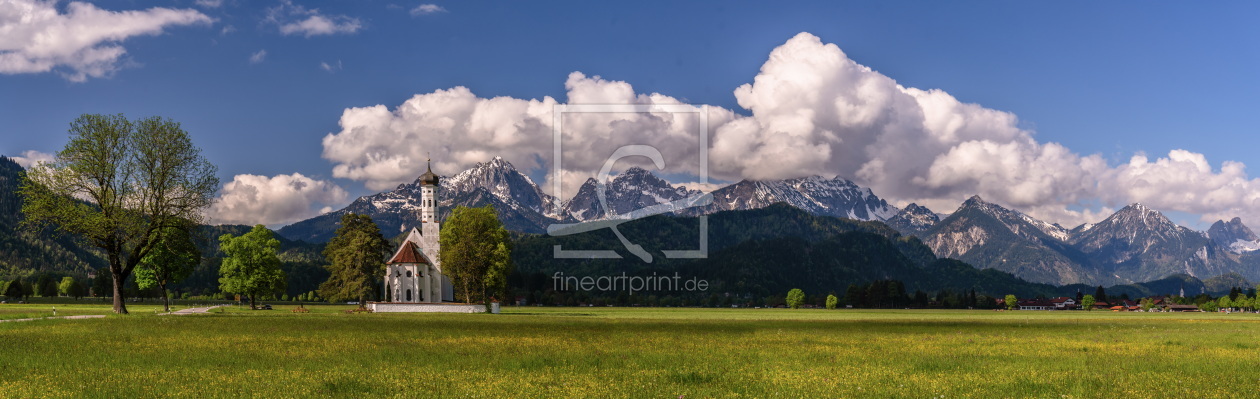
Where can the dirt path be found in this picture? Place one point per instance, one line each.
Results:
(193, 310)
(86, 316)
(100, 316)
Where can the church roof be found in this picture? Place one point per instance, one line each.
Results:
(408, 253)
(428, 178)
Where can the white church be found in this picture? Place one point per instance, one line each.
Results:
(413, 276)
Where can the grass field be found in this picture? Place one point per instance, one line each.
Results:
(635, 352)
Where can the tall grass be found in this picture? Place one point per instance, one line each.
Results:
(615, 352)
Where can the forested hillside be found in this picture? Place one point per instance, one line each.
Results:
(25, 253)
(28, 255)
(762, 252)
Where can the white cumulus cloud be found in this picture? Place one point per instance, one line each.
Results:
(298, 20)
(384, 147)
(83, 42)
(30, 158)
(812, 110)
(426, 9)
(277, 200)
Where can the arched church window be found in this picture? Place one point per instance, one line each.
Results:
(409, 274)
(408, 295)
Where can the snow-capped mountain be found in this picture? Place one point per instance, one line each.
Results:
(913, 220)
(521, 205)
(631, 190)
(524, 207)
(1234, 235)
(1140, 244)
(501, 180)
(990, 236)
(817, 195)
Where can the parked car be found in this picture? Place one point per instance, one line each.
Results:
(265, 307)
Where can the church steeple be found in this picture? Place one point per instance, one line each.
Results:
(428, 195)
(428, 178)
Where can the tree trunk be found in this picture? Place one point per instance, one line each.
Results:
(120, 299)
(166, 301)
(467, 292)
(252, 301)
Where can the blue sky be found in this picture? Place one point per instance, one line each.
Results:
(1112, 78)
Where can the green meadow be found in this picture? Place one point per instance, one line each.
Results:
(631, 353)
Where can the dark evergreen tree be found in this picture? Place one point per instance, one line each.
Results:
(356, 260)
(1100, 294)
(46, 286)
(853, 296)
(15, 290)
(102, 284)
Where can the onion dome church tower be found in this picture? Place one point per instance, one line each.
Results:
(414, 273)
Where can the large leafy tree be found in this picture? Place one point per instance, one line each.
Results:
(795, 298)
(117, 183)
(171, 261)
(1087, 302)
(476, 253)
(251, 266)
(71, 287)
(357, 255)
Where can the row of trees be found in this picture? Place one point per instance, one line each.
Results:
(1239, 302)
(891, 294)
(45, 287)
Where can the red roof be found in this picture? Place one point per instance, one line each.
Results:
(409, 253)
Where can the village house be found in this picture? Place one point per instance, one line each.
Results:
(1172, 307)
(1063, 303)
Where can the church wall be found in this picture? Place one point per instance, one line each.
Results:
(388, 307)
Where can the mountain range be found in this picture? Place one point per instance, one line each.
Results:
(523, 207)
(1134, 245)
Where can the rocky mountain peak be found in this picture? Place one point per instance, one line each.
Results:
(814, 194)
(1138, 215)
(635, 171)
(497, 162)
(913, 219)
(632, 189)
(1234, 235)
(916, 209)
(975, 202)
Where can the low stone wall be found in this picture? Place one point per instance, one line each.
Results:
(399, 307)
